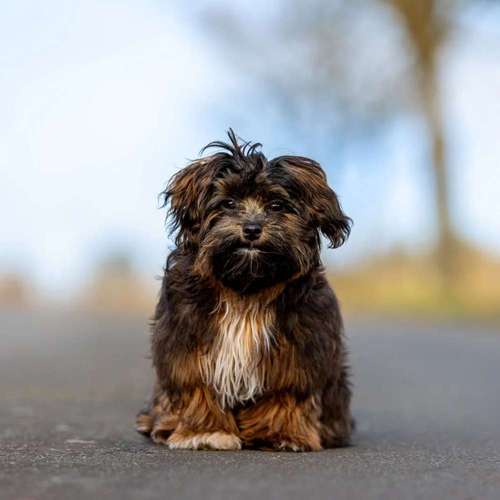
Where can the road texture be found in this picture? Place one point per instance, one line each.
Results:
(427, 402)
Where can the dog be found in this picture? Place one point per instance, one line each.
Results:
(247, 336)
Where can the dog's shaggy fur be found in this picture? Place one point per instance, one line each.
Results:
(247, 337)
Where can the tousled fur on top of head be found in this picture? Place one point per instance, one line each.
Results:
(190, 189)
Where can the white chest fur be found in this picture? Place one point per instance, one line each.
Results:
(233, 366)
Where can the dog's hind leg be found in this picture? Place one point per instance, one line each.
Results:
(156, 419)
(145, 419)
(336, 420)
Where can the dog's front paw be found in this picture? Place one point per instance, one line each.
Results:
(204, 441)
(289, 446)
(297, 445)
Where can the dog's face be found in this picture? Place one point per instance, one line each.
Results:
(254, 223)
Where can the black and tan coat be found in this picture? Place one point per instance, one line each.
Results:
(247, 339)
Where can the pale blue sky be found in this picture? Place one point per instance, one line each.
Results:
(102, 101)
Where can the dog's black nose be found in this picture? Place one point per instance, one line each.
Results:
(252, 231)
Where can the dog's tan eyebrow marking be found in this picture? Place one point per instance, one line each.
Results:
(278, 191)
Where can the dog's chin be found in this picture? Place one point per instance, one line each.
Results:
(248, 268)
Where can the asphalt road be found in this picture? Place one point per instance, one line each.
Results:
(427, 402)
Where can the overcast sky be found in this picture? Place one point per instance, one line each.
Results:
(102, 101)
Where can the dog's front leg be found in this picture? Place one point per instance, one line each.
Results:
(203, 424)
(281, 422)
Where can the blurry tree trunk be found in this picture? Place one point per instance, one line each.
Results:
(447, 242)
(426, 31)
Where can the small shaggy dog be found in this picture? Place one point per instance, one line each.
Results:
(247, 339)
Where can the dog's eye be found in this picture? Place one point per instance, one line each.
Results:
(229, 204)
(276, 206)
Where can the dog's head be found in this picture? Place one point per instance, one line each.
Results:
(253, 223)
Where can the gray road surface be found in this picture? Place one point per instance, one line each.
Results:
(427, 402)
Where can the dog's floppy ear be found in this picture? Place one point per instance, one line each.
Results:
(309, 182)
(187, 193)
(332, 221)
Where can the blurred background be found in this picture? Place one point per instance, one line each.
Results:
(102, 101)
